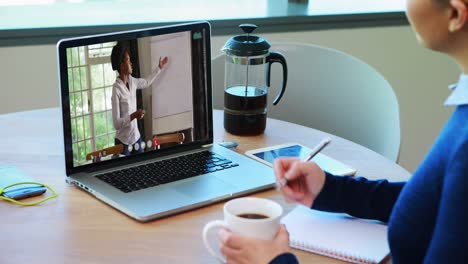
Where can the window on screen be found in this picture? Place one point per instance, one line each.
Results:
(90, 78)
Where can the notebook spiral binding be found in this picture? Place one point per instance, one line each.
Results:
(330, 252)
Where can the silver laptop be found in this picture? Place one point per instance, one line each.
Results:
(163, 161)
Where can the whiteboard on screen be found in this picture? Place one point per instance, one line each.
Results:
(172, 92)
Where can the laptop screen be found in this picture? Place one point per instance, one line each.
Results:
(128, 94)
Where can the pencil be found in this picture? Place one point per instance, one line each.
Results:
(321, 145)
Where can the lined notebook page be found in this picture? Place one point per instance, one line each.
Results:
(337, 235)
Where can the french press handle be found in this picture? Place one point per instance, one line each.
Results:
(272, 58)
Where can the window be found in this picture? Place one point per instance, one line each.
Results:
(90, 78)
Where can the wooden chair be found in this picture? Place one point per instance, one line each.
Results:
(177, 138)
(98, 154)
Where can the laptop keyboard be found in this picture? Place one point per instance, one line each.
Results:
(165, 171)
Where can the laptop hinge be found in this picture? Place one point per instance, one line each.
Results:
(207, 145)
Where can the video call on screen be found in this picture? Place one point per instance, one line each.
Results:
(172, 103)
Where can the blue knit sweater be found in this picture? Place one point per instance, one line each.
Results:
(427, 216)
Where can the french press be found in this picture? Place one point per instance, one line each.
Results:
(247, 80)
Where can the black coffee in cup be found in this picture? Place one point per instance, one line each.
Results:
(253, 216)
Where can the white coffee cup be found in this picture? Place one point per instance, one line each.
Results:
(235, 213)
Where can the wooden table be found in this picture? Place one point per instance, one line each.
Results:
(77, 228)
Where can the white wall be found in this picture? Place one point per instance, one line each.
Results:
(419, 77)
(28, 78)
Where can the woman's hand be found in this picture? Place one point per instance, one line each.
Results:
(138, 114)
(305, 180)
(247, 250)
(163, 62)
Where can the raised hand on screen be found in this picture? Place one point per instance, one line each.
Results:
(163, 62)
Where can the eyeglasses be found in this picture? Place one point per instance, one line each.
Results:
(10, 188)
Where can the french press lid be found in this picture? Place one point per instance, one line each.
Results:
(246, 45)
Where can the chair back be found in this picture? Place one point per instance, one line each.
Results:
(98, 154)
(331, 91)
(177, 138)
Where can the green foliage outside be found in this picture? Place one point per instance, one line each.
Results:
(92, 127)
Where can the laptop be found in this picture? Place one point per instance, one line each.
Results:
(160, 162)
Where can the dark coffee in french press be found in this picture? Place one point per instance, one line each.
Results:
(247, 79)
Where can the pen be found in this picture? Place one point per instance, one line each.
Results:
(322, 144)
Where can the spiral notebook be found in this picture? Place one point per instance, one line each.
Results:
(337, 235)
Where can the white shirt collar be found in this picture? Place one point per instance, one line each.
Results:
(459, 94)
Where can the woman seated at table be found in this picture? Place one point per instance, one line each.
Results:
(428, 215)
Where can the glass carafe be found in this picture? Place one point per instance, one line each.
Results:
(247, 80)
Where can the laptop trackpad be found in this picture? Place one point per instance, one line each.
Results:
(205, 187)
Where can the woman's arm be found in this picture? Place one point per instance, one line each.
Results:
(143, 83)
(449, 243)
(309, 185)
(358, 197)
(285, 258)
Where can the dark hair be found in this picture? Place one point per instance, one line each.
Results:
(117, 55)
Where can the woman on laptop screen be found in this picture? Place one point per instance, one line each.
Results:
(124, 111)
